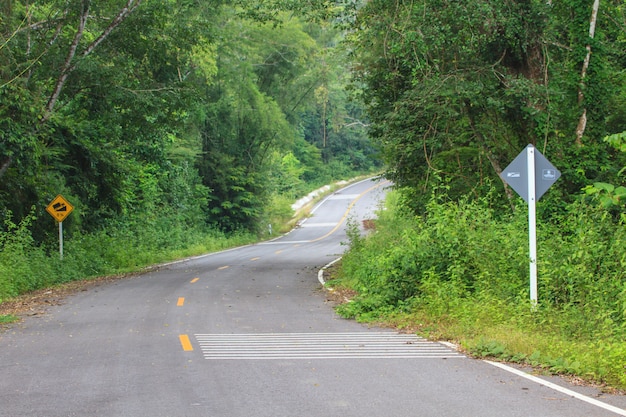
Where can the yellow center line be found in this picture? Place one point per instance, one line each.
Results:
(193, 281)
(185, 342)
(181, 301)
(348, 211)
(223, 267)
(278, 251)
(255, 259)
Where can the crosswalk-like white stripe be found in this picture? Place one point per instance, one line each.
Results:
(309, 224)
(344, 196)
(366, 345)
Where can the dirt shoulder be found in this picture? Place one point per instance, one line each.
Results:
(38, 302)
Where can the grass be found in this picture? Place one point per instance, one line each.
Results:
(8, 319)
(455, 274)
(125, 248)
(601, 362)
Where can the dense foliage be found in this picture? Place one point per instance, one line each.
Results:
(454, 91)
(461, 273)
(157, 117)
(129, 107)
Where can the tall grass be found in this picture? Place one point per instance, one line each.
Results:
(460, 272)
(125, 247)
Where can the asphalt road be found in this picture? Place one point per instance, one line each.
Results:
(249, 332)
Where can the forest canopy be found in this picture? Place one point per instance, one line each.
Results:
(198, 112)
(455, 90)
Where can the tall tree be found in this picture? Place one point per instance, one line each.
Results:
(455, 90)
(243, 121)
(582, 123)
(91, 94)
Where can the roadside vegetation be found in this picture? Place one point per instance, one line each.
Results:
(460, 273)
(173, 129)
(454, 92)
(26, 265)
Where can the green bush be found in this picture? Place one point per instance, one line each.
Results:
(125, 246)
(23, 266)
(455, 246)
(460, 271)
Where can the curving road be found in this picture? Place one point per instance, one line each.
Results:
(248, 332)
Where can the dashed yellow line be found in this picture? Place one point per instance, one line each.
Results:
(345, 216)
(193, 281)
(278, 252)
(255, 259)
(185, 343)
(181, 302)
(223, 267)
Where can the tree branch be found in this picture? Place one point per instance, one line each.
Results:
(69, 65)
(131, 5)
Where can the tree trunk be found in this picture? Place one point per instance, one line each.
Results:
(68, 64)
(582, 122)
(5, 165)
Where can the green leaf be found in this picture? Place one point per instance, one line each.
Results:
(604, 186)
(620, 192)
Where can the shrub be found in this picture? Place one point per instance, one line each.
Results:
(460, 271)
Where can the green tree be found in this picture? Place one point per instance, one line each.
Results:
(91, 95)
(242, 124)
(455, 90)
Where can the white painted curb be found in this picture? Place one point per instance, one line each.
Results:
(320, 273)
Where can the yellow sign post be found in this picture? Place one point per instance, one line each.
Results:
(60, 208)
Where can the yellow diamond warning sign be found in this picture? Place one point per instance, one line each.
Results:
(59, 208)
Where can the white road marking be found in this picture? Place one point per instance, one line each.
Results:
(343, 196)
(320, 273)
(616, 410)
(309, 224)
(357, 345)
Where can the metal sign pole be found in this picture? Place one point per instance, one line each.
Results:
(522, 175)
(532, 225)
(61, 239)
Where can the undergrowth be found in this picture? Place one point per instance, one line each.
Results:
(460, 272)
(126, 245)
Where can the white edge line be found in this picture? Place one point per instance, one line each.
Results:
(560, 389)
(320, 273)
(619, 411)
(616, 410)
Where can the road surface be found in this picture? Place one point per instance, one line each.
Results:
(249, 332)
